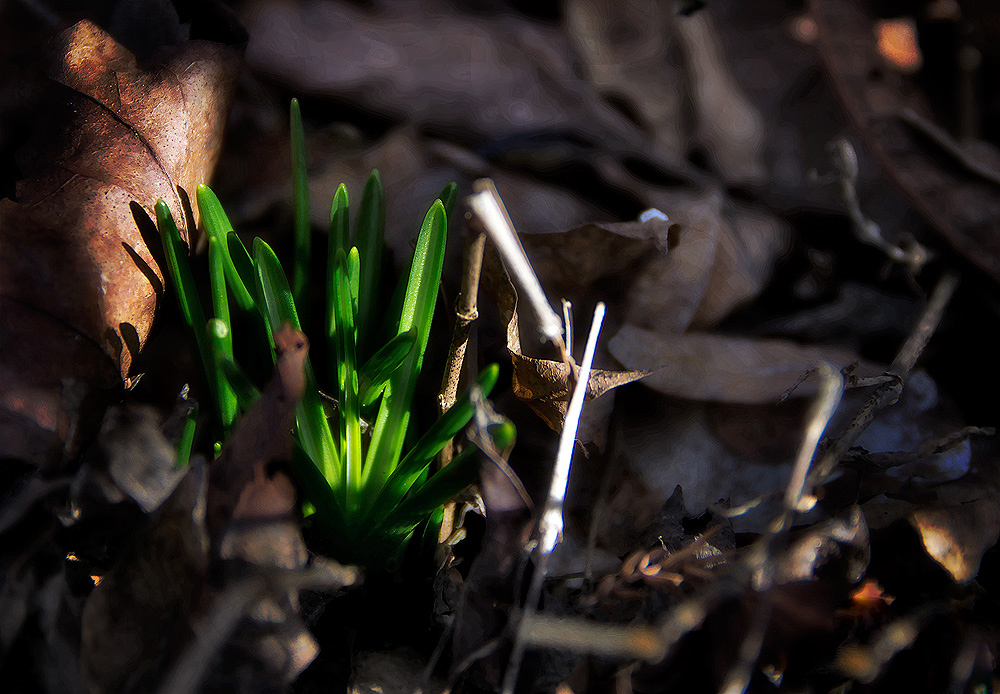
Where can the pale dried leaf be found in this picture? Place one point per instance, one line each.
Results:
(957, 537)
(725, 368)
(729, 125)
(628, 63)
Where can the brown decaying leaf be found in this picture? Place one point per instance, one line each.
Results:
(665, 295)
(575, 259)
(962, 206)
(729, 125)
(957, 537)
(726, 368)
(139, 616)
(432, 66)
(79, 287)
(253, 515)
(149, 606)
(542, 383)
(723, 256)
(631, 68)
(251, 511)
(545, 385)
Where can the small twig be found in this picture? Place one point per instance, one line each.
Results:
(845, 161)
(888, 393)
(550, 525)
(940, 137)
(487, 205)
(466, 313)
(831, 389)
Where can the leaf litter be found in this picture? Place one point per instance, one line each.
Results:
(705, 545)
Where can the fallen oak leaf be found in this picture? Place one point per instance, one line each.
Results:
(79, 285)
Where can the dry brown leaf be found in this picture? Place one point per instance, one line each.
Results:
(627, 61)
(725, 368)
(751, 242)
(723, 257)
(571, 261)
(545, 385)
(666, 294)
(139, 616)
(542, 383)
(253, 518)
(251, 512)
(79, 286)
(430, 65)
(251, 522)
(729, 125)
(957, 537)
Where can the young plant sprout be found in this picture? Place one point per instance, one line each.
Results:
(368, 494)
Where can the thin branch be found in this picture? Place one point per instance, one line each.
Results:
(466, 313)
(845, 161)
(888, 393)
(940, 137)
(487, 205)
(550, 526)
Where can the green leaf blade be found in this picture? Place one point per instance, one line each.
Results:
(179, 269)
(279, 309)
(220, 345)
(373, 376)
(418, 311)
(338, 239)
(447, 426)
(300, 195)
(370, 240)
(218, 226)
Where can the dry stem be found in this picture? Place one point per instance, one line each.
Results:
(466, 313)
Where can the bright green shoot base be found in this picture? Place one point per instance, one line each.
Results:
(369, 494)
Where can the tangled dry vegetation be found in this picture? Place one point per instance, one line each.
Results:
(783, 478)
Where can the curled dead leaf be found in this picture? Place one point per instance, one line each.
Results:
(545, 385)
(542, 383)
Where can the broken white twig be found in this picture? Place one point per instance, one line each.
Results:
(488, 207)
(550, 524)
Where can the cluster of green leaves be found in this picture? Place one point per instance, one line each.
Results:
(367, 494)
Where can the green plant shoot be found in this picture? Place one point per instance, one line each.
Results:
(368, 493)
